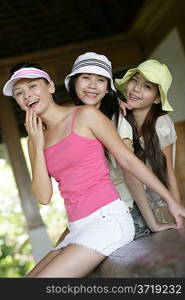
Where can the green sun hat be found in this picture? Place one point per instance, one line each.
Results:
(153, 71)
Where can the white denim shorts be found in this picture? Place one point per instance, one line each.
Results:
(105, 230)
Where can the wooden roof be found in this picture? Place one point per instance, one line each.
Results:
(55, 32)
(34, 25)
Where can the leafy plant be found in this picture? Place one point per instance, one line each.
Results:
(15, 258)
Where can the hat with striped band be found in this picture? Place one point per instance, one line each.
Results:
(91, 63)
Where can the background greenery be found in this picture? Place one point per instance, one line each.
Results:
(16, 257)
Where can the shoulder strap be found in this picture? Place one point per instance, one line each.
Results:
(73, 118)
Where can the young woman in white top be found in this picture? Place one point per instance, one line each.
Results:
(154, 137)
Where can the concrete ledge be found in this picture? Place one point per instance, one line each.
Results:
(159, 255)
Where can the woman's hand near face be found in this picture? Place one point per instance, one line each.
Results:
(41, 182)
(124, 106)
(34, 129)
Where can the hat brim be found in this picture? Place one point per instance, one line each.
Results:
(121, 84)
(165, 103)
(8, 87)
(90, 70)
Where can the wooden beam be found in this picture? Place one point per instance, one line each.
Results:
(155, 20)
(120, 49)
(11, 139)
(180, 158)
(181, 30)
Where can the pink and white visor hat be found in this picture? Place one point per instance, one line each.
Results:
(23, 73)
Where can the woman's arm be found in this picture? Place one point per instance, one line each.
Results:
(138, 193)
(41, 181)
(173, 187)
(103, 130)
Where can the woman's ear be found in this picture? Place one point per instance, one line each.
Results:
(157, 100)
(51, 87)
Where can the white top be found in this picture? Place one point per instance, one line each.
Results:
(125, 132)
(167, 135)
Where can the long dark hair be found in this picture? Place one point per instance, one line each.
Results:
(152, 151)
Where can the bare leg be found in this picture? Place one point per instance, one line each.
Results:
(71, 261)
(41, 264)
(48, 257)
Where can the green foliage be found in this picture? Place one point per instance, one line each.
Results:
(15, 250)
(15, 258)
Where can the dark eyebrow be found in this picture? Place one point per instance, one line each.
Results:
(28, 81)
(146, 81)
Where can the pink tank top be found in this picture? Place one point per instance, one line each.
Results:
(79, 166)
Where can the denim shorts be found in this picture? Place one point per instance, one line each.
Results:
(105, 230)
(141, 227)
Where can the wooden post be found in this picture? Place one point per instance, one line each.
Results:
(11, 138)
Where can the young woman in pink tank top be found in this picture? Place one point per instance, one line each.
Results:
(68, 144)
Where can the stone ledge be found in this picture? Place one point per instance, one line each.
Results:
(160, 255)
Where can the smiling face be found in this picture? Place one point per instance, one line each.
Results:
(32, 93)
(141, 93)
(91, 88)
